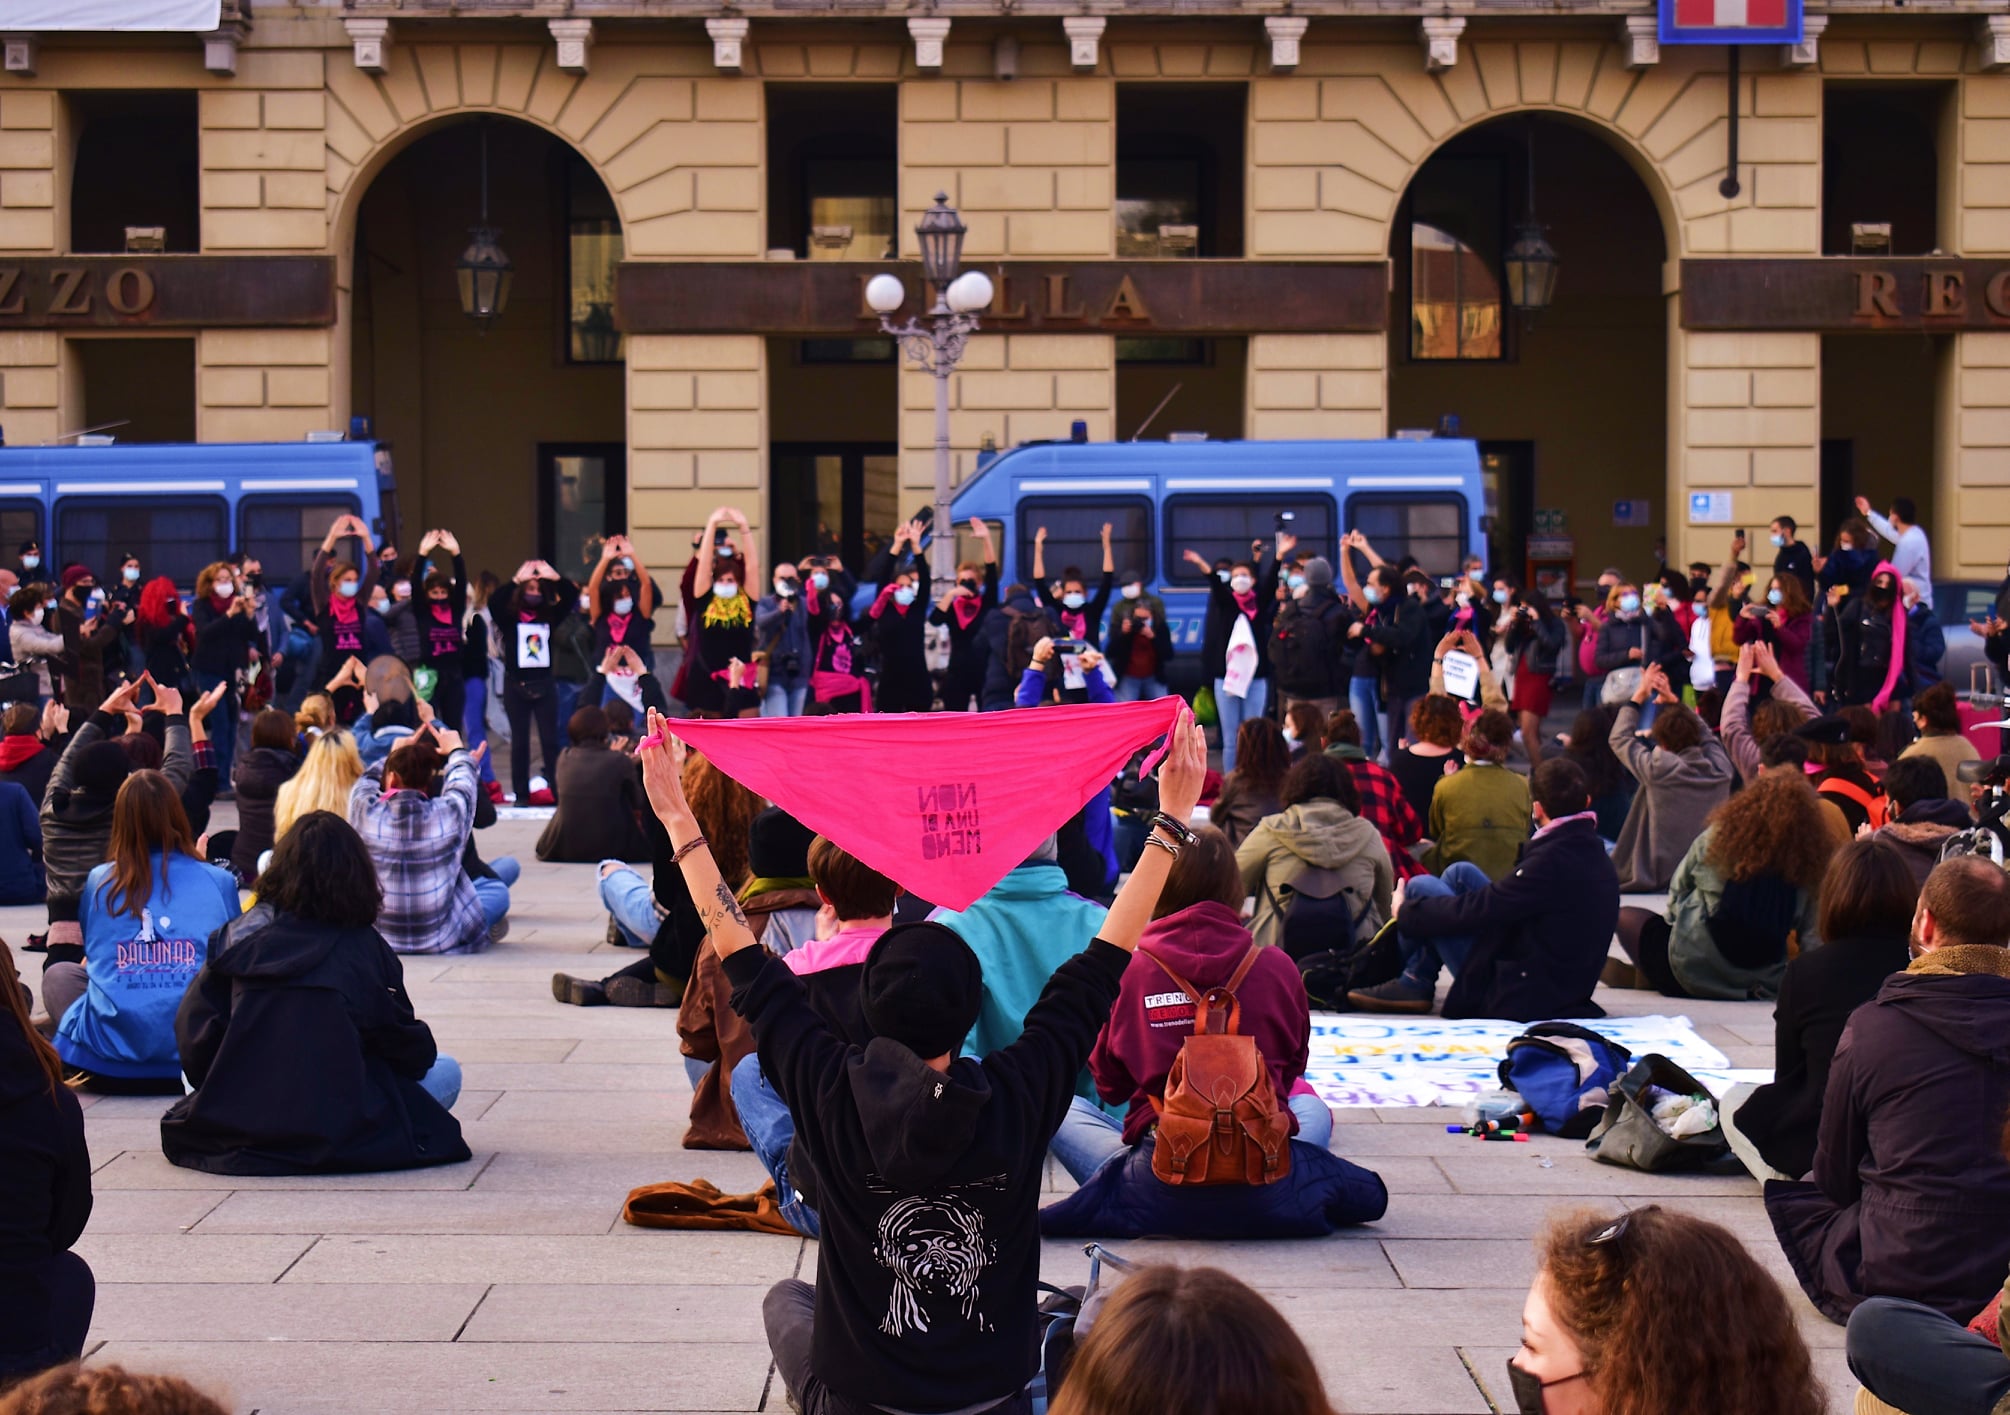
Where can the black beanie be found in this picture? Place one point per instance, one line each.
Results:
(922, 987)
(102, 768)
(778, 845)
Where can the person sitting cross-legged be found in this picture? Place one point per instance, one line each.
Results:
(1527, 946)
(927, 1165)
(415, 811)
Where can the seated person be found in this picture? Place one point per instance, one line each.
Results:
(858, 908)
(1249, 793)
(306, 975)
(47, 1291)
(1921, 816)
(1937, 714)
(1867, 900)
(781, 904)
(266, 766)
(1025, 927)
(1197, 932)
(1844, 777)
(33, 740)
(147, 916)
(384, 725)
(1910, 1194)
(927, 1165)
(1743, 900)
(1480, 813)
(1383, 804)
(1318, 847)
(1912, 1358)
(599, 798)
(1684, 774)
(415, 811)
(1527, 946)
(21, 877)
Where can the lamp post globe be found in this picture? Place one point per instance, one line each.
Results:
(884, 293)
(969, 292)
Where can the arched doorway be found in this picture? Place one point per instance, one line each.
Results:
(512, 436)
(1570, 407)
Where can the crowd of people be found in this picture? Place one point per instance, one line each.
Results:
(1775, 753)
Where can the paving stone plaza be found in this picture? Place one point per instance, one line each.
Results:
(510, 1283)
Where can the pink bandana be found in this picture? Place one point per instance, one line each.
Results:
(942, 803)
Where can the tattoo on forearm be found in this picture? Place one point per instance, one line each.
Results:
(727, 907)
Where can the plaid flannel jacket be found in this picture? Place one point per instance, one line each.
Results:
(416, 842)
(1384, 806)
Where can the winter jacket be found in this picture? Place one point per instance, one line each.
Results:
(1537, 644)
(223, 640)
(1025, 927)
(599, 793)
(139, 964)
(36, 650)
(1850, 568)
(1658, 637)
(782, 631)
(1789, 641)
(1318, 848)
(708, 1028)
(1910, 1195)
(280, 988)
(28, 761)
(21, 878)
(1240, 806)
(1950, 750)
(927, 1184)
(1819, 993)
(1482, 814)
(1123, 638)
(1922, 829)
(416, 842)
(1925, 646)
(408, 638)
(259, 775)
(1796, 560)
(1204, 943)
(87, 643)
(1222, 612)
(1405, 643)
(1309, 650)
(45, 1198)
(77, 825)
(1542, 930)
(1695, 895)
(1678, 790)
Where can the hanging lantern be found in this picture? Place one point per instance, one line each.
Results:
(941, 231)
(1531, 270)
(483, 271)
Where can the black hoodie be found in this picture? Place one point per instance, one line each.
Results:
(45, 1187)
(277, 988)
(928, 1184)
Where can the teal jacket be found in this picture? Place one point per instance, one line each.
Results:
(1025, 928)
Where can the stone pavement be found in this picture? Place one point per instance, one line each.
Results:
(509, 1283)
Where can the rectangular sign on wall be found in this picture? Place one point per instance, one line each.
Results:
(1730, 21)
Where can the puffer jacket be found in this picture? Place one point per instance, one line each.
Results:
(1921, 829)
(1318, 848)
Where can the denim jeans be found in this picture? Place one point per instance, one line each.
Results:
(626, 895)
(443, 1082)
(222, 726)
(508, 869)
(1235, 711)
(568, 699)
(475, 724)
(1364, 696)
(494, 897)
(1912, 1357)
(770, 1130)
(1131, 690)
(1090, 1136)
(784, 701)
(1423, 956)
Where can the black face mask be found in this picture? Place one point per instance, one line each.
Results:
(970, 585)
(1528, 1397)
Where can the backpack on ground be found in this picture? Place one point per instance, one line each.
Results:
(1566, 1073)
(1220, 1121)
(1332, 973)
(1754, 921)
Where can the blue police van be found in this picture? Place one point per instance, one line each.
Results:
(1419, 497)
(180, 506)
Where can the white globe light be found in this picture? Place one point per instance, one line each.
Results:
(885, 293)
(969, 292)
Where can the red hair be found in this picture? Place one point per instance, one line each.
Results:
(158, 603)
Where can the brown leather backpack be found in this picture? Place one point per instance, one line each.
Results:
(1219, 1121)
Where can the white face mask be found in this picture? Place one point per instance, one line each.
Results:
(624, 605)
(785, 588)
(1133, 591)
(1241, 584)
(726, 589)
(1074, 600)
(821, 580)
(131, 574)
(35, 617)
(223, 589)
(402, 590)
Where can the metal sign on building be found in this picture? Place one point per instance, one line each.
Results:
(1730, 21)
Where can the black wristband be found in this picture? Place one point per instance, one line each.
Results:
(1178, 830)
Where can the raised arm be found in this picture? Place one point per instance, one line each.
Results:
(701, 576)
(1039, 559)
(662, 768)
(608, 550)
(1109, 556)
(750, 554)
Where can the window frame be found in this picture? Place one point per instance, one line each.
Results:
(39, 509)
(269, 500)
(1028, 514)
(1180, 575)
(184, 501)
(1446, 497)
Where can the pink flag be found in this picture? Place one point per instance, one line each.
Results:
(945, 803)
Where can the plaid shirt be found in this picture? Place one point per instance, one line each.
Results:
(416, 841)
(1384, 806)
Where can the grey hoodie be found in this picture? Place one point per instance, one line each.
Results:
(1317, 848)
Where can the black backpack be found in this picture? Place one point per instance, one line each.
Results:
(1302, 648)
(1331, 974)
(1753, 920)
(1315, 924)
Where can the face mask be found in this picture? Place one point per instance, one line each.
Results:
(1777, 539)
(585, 603)
(904, 596)
(726, 589)
(1528, 1390)
(1290, 737)
(1500, 596)
(36, 617)
(628, 562)
(1133, 591)
(1465, 600)
(1221, 575)
(347, 589)
(380, 606)
(131, 574)
(1372, 593)
(223, 589)
(784, 588)
(402, 590)
(1297, 582)
(725, 552)
(1074, 601)
(1773, 596)
(1629, 604)
(1843, 547)
(533, 597)
(30, 562)
(820, 579)
(1241, 584)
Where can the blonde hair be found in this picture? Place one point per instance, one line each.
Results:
(332, 766)
(205, 578)
(317, 711)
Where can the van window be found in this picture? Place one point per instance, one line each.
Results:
(1217, 526)
(1432, 528)
(284, 532)
(21, 521)
(174, 536)
(1075, 536)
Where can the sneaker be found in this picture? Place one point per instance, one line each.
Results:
(579, 992)
(499, 930)
(542, 796)
(623, 991)
(495, 792)
(1396, 995)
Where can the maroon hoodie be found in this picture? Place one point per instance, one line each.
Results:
(1204, 944)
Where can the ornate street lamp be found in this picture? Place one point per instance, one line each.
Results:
(938, 345)
(1531, 261)
(483, 271)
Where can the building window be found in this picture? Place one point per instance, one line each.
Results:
(832, 175)
(1455, 222)
(1881, 167)
(846, 351)
(137, 390)
(592, 251)
(1179, 170)
(137, 167)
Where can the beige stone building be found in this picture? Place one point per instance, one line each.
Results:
(1336, 182)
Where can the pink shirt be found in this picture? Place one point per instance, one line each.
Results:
(840, 950)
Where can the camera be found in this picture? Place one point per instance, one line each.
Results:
(1286, 519)
(1070, 646)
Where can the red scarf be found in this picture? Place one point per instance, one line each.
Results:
(617, 627)
(1245, 600)
(221, 603)
(966, 608)
(348, 624)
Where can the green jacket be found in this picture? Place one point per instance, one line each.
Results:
(1693, 897)
(1479, 813)
(1316, 847)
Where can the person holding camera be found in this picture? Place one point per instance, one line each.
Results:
(782, 630)
(1536, 639)
(226, 626)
